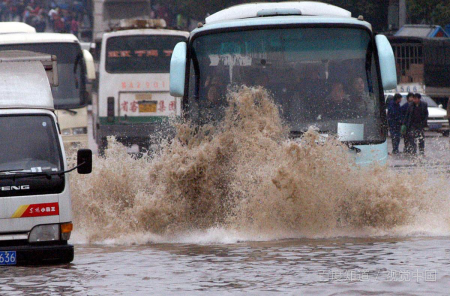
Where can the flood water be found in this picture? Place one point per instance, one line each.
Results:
(243, 210)
(334, 266)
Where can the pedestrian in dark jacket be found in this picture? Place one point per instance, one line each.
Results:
(395, 121)
(404, 109)
(415, 122)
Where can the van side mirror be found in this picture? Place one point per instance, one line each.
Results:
(387, 62)
(90, 66)
(84, 161)
(178, 69)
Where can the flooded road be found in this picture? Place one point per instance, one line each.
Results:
(245, 210)
(349, 266)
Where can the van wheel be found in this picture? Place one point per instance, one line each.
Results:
(446, 133)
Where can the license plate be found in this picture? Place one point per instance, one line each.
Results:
(435, 126)
(133, 149)
(147, 107)
(8, 258)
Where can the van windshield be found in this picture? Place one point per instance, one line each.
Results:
(322, 77)
(69, 92)
(29, 143)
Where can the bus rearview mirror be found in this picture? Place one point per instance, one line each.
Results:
(178, 69)
(90, 66)
(387, 62)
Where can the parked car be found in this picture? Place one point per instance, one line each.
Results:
(437, 115)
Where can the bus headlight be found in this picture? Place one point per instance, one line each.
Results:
(79, 130)
(44, 233)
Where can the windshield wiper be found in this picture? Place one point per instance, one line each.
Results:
(70, 111)
(39, 174)
(297, 134)
(29, 174)
(352, 147)
(13, 170)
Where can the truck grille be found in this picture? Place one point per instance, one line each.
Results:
(13, 239)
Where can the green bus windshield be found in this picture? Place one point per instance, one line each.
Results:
(321, 77)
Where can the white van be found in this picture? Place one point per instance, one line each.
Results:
(35, 203)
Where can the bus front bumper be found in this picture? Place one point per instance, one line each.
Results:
(129, 134)
(41, 254)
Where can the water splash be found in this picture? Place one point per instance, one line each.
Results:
(246, 180)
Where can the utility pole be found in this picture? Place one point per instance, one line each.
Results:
(396, 14)
(401, 13)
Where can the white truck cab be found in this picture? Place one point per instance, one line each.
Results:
(35, 203)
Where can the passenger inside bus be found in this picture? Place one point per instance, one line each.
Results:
(212, 107)
(337, 104)
(310, 88)
(362, 101)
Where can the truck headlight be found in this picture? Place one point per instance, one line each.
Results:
(79, 130)
(66, 132)
(44, 233)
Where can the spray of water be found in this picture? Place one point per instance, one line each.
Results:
(245, 178)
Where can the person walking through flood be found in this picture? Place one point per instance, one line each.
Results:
(415, 122)
(404, 109)
(395, 121)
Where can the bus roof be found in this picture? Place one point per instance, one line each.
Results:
(15, 27)
(23, 38)
(281, 21)
(146, 32)
(23, 80)
(253, 10)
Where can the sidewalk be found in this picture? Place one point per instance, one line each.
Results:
(437, 154)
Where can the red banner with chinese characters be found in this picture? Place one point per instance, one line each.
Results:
(37, 210)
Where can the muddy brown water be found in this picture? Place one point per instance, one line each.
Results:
(240, 208)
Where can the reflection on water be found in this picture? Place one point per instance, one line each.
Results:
(349, 266)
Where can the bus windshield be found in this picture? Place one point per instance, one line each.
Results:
(140, 53)
(70, 91)
(321, 77)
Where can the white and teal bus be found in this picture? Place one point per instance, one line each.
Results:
(324, 68)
